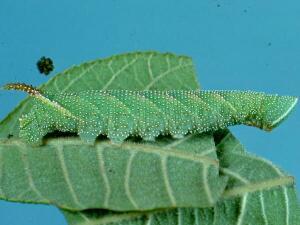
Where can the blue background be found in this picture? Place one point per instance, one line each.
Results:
(235, 45)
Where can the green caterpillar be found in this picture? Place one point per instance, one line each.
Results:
(122, 113)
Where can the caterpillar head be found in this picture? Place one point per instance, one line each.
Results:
(28, 129)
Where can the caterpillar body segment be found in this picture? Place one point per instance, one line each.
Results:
(122, 113)
(145, 123)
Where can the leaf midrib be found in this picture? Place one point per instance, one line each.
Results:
(258, 186)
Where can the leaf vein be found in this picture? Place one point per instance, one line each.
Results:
(115, 74)
(166, 180)
(77, 78)
(242, 210)
(287, 206)
(206, 186)
(149, 66)
(171, 152)
(262, 204)
(156, 79)
(66, 176)
(127, 181)
(104, 175)
(29, 176)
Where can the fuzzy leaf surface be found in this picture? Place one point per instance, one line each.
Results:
(78, 176)
(258, 193)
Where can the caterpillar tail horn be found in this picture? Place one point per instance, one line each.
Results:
(21, 87)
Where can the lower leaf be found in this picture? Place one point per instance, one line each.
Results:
(132, 176)
(258, 192)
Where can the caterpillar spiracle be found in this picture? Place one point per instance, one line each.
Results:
(123, 113)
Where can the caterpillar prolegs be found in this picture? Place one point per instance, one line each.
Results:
(122, 113)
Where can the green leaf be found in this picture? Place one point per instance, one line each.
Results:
(46, 161)
(258, 193)
(132, 71)
(275, 188)
(133, 176)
